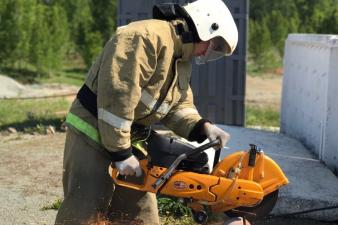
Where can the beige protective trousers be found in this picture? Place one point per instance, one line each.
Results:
(90, 197)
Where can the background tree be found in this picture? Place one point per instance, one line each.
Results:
(81, 25)
(278, 29)
(259, 41)
(59, 35)
(39, 35)
(41, 53)
(104, 14)
(25, 17)
(330, 24)
(9, 35)
(93, 22)
(49, 38)
(284, 17)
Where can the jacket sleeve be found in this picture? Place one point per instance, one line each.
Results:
(128, 62)
(184, 120)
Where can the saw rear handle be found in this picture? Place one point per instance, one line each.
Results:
(139, 187)
(167, 174)
(163, 175)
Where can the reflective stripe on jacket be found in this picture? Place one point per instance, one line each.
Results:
(141, 76)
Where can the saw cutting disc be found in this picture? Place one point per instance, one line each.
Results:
(256, 212)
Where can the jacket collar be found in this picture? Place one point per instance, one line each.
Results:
(182, 50)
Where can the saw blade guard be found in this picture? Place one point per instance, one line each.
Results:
(260, 169)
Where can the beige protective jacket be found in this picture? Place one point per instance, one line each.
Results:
(141, 76)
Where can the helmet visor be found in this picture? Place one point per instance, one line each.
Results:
(217, 48)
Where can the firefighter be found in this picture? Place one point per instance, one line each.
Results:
(141, 77)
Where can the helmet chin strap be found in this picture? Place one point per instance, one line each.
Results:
(187, 36)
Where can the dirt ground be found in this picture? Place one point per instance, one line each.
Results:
(30, 178)
(264, 91)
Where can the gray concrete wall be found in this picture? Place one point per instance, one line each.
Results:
(330, 142)
(309, 109)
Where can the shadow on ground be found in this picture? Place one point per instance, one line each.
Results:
(34, 125)
(25, 76)
(292, 221)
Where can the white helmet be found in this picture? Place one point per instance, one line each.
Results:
(214, 22)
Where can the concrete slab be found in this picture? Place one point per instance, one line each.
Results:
(312, 184)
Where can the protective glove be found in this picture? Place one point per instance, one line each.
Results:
(213, 133)
(237, 221)
(129, 166)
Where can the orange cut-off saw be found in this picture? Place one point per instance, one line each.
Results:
(244, 183)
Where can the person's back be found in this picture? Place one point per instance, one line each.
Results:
(144, 64)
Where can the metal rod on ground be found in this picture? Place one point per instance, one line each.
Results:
(38, 97)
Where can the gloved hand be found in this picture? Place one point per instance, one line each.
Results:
(237, 221)
(129, 166)
(213, 133)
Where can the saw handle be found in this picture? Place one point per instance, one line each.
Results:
(114, 173)
(193, 152)
(165, 176)
(202, 148)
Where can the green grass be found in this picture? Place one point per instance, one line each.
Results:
(261, 116)
(75, 76)
(54, 206)
(171, 207)
(34, 115)
(72, 77)
(172, 211)
(167, 218)
(73, 72)
(25, 115)
(266, 66)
